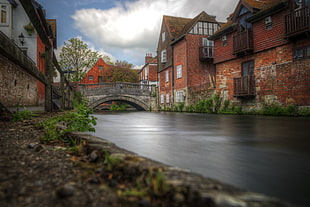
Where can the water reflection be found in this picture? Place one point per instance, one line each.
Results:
(261, 154)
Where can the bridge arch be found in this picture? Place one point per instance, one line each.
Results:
(138, 104)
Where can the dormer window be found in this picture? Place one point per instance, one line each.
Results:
(241, 19)
(204, 28)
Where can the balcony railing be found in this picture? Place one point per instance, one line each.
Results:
(297, 22)
(243, 42)
(244, 86)
(206, 53)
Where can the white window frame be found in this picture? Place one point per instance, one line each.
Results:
(167, 76)
(179, 96)
(91, 77)
(163, 36)
(162, 98)
(168, 98)
(179, 71)
(7, 14)
(164, 56)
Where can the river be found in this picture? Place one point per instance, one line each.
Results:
(264, 154)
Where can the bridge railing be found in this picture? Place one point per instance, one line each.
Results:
(115, 88)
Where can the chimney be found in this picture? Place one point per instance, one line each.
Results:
(148, 58)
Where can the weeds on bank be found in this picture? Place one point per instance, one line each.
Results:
(22, 115)
(57, 127)
(215, 105)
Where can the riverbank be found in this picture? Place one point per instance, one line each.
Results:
(98, 173)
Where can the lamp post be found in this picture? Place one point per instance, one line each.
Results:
(21, 38)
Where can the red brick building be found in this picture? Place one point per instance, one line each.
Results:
(185, 64)
(262, 54)
(148, 74)
(94, 75)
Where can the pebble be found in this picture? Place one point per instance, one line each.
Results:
(93, 157)
(65, 191)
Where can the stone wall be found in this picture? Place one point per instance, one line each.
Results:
(16, 86)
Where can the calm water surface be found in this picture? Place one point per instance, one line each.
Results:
(270, 155)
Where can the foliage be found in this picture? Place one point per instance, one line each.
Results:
(156, 182)
(120, 72)
(57, 127)
(204, 106)
(111, 161)
(76, 58)
(277, 110)
(22, 115)
(119, 107)
(179, 107)
(123, 64)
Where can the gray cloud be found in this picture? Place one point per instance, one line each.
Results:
(134, 25)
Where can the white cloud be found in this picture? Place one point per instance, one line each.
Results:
(132, 27)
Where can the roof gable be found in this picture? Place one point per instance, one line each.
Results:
(174, 25)
(202, 17)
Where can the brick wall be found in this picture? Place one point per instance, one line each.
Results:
(165, 87)
(223, 52)
(269, 37)
(16, 86)
(278, 78)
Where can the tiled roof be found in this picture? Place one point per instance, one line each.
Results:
(175, 25)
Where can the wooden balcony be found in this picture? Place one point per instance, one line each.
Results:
(297, 22)
(206, 53)
(243, 42)
(244, 86)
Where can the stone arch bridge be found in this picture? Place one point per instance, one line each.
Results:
(142, 97)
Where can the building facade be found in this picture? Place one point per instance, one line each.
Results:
(185, 60)
(95, 74)
(17, 26)
(148, 73)
(262, 54)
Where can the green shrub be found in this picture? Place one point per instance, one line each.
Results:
(57, 127)
(22, 115)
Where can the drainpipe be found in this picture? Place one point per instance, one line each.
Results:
(172, 76)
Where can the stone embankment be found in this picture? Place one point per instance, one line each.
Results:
(98, 173)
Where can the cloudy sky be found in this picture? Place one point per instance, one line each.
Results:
(125, 29)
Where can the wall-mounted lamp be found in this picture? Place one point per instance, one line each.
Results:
(21, 38)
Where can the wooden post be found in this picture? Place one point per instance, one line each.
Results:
(48, 73)
(62, 91)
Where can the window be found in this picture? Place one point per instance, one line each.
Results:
(162, 98)
(163, 56)
(146, 75)
(167, 76)
(100, 67)
(90, 77)
(301, 52)
(268, 22)
(168, 98)
(179, 96)
(4, 16)
(204, 28)
(248, 68)
(163, 36)
(179, 71)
